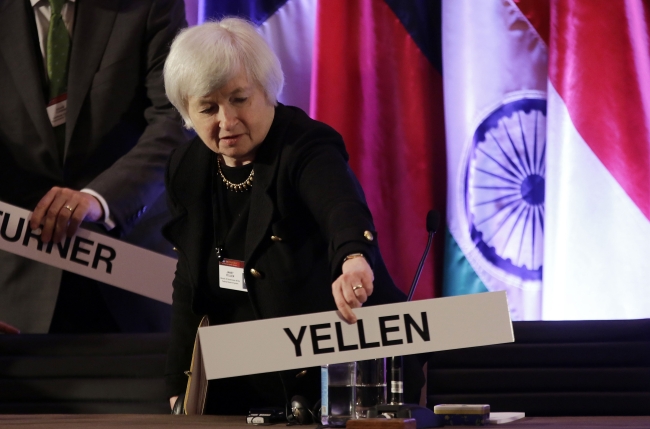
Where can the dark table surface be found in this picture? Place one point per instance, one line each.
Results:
(101, 421)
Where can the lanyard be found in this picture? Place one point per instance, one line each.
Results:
(220, 226)
(229, 210)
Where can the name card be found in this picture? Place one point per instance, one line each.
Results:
(92, 255)
(381, 331)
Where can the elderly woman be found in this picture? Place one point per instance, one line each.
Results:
(264, 188)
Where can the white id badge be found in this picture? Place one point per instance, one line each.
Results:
(231, 275)
(56, 110)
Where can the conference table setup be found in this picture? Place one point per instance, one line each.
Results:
(208, 206)
(573, 374)
(104, 421)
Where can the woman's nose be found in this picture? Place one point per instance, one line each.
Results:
(226, 118)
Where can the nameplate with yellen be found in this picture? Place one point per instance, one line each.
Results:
(381, 331)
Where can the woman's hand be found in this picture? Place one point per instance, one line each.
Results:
(353, 287)
(172, 401)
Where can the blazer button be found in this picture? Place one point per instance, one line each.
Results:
(368, 235)
(175, 249)
(256, 273)
(276, 238)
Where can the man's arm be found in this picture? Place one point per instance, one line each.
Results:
(134, 181)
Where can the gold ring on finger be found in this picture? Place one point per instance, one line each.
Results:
(354, 288)
(69, 208)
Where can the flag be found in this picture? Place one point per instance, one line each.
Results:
(597, 255)
(495, 68)
(377, 80)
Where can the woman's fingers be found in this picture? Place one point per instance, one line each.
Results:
(341, 302)
(353, 287)
(172, 401)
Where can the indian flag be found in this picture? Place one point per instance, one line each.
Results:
(495, 78)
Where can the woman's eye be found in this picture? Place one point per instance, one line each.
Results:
(207, 110)
(239, 99)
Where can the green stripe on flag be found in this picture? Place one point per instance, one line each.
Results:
(459, 278)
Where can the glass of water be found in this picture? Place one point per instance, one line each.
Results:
(370, 386)
(350, 390)
(338, 393)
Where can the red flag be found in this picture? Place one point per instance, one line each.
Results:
(374, 85)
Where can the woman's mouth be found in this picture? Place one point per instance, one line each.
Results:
(229, 140)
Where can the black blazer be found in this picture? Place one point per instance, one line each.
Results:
(305, 195)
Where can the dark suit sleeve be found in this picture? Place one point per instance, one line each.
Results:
(334, 196)
(135, 181)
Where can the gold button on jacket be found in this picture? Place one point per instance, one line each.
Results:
(256, 273)
(368, 235)
(276, 238)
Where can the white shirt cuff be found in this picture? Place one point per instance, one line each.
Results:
(108, 221)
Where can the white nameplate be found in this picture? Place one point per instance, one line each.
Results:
(91, 255)
(381, 331)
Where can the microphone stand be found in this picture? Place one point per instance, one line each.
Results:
(396, 364)
(424, 417)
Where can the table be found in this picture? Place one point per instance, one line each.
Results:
(146, 421)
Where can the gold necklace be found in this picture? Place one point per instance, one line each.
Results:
(237, 187)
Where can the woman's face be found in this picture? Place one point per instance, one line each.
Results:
(233, 120)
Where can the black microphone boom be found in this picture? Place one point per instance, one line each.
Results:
(433, 219)
(424, 416)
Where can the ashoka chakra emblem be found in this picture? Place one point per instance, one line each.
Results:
(504, 187)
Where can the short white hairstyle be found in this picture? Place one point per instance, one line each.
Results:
(204, 58)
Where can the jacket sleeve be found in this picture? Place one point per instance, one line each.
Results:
(331, 191)
(184, 323)
(135, 181)
(183, 332)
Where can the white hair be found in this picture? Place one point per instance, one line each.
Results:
(204, 58)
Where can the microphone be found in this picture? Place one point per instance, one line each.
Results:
(396, 362)
(433, 220)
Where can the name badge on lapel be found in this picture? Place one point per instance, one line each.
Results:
(56, 110)
(231, 275)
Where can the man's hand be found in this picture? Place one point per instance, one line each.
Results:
(353, 287)
(61, 211)
(6, 328)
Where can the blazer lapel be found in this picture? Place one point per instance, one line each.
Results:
(190, 230)
(92, 28)
(18, 49)
(266, 165)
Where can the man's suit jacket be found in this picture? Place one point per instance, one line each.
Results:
(307, 212)
(120, 126)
